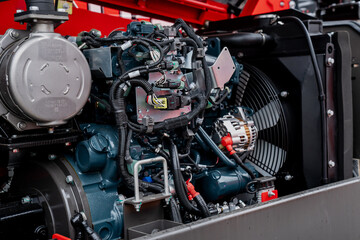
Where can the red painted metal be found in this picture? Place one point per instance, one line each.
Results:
(195, 12)
(80, 20)
(83, 20)
(192, 11)
(254, 7)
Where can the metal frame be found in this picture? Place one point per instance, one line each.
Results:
(327, 212)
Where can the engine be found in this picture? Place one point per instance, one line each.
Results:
(108, 137)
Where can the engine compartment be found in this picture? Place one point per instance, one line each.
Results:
(105, 134)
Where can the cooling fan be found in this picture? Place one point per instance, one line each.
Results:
(256, 91)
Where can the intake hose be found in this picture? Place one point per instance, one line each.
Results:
(179, 181)
(210, 143)
(43, 5)
(246, 39)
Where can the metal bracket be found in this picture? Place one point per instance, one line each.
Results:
(222, 69)
(137, 201)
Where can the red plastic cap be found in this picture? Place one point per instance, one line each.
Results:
(227, 140)
(192, 192)
(60, 237)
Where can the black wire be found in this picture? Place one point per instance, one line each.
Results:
(321, 93)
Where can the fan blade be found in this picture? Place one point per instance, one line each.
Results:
(267, 116)
(240, 89)
(267, 157)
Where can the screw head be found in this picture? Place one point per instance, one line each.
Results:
(330, 113)
(282, 4)
(331, 164)
(330, 61)
(21, 125)
(34, 8)
(52, 157)
(284, 94)
(288, 177)
(26, 200)
(14, 34)
(69, 179)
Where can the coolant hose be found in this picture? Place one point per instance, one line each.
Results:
(239, 160)
(207, 139)
(246, 39)
(201, 204)
(179, 181)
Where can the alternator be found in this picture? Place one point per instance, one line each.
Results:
(242, 131)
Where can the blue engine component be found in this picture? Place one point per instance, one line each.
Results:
(96, 167)
(224, 182)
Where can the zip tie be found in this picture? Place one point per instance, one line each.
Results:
(126, 45)
(134, 74)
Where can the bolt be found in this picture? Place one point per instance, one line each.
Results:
(19, 10)
(102, 186)
(14, 34)
(331, 164)
(292, 4)
(284, 94)
(34, 8)
(26, 200)
(52, 157)
(51, 130)
(270, 193)
(288, 177)
(69, 179)
(21, 125)
(330, 61)
(330, 113)
(282, 4)
(167, 200)
(137, 207)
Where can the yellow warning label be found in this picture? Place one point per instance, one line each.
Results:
(162, 104)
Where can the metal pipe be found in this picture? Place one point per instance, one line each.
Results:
(136, 175)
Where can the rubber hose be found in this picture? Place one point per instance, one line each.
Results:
(202, 205)
(239, 160)
(207, 139)
(175, 212)
(178, 181)
(245, 39)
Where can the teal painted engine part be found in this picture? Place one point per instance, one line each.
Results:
(223, 182)
(96, 167)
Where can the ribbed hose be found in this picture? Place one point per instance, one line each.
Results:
(174, 211)
(201, 204)
(178, 181)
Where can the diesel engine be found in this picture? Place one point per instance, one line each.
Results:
(103, 135)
